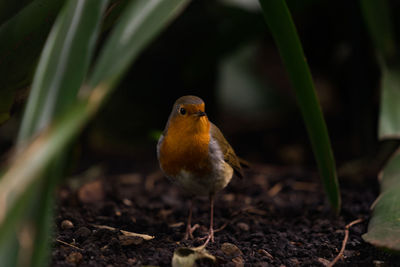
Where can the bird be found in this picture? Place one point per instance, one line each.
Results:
(193, 153)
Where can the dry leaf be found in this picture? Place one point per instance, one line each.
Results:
(187, 257)
(125, 233)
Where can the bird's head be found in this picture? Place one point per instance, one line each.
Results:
(188, 115)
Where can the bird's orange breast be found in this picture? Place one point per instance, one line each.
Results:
(186, 147)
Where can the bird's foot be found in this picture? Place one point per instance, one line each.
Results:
(189, 231)
(211, 232)
(208, 238)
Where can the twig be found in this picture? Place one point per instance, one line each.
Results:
(222, 227)
(67, 244)
(346, 237)
(265, 253)
(125, 233)
(275, 190)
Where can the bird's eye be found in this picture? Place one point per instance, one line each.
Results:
(182, 111)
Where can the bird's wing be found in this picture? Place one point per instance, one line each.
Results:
(228, 152)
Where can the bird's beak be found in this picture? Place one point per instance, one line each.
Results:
(201, 113)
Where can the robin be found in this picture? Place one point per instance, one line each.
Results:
(194, 154)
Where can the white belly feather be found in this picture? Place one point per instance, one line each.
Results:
(219, 177)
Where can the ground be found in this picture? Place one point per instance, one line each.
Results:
(275, 216)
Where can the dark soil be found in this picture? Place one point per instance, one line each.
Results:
(276, 216)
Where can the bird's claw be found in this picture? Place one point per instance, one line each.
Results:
(189, 231)
(208, 238)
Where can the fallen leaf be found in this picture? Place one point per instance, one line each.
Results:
(131, 234)
(175, 225)
(186, 257)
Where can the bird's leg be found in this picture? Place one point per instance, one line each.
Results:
(189, 228)
(210, 236)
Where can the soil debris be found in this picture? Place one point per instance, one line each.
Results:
(294, 227)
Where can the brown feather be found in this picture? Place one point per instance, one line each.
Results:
(228, 152)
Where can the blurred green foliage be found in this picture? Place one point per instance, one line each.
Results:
(285, 35)
(219, 50)
(22, 38)
(55, 114)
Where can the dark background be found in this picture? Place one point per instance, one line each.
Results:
(223, 53)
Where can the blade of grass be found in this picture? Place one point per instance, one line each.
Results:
(60, 73)
(9, 8)
(9, 249)
(378, 19)
(379, 23)
(389, 118)
(63, 64)
(56, 85)
(43, 215)
(280, 23)
(33, 159)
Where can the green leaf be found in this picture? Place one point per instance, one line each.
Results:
(379, 23)
(43, 215)
(63, 64)
(60, 73)
(389, 116)
(132, 33)
(9, 249)
(284, 33)
(7, 99)
(384, 226)
(10, 8)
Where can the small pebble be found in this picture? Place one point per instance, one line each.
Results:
(82, 233)
(66, 224)
(74, 257)
(378, 263)
(127, 202)
(243, 226)
(91, 193)
(230, 249)
(295, 262)
(132, 261)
